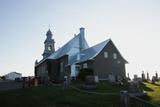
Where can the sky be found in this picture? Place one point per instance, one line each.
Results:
(133, 26)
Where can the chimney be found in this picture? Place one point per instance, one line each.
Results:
(82, 31)
(81, 39)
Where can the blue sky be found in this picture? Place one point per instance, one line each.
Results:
(133, 25)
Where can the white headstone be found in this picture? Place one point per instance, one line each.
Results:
(111, 78)
(96, 79)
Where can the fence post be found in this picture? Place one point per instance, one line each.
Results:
(29, 82)
(124, 99)
(23, 82)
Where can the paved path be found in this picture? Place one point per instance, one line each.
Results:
(8, 85)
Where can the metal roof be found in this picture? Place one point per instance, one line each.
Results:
(89, 53)
(70, 48)
(78, 47)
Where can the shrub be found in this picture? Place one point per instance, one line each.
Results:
(85, 72)
(3, 78)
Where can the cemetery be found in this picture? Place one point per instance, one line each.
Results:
(139, 92)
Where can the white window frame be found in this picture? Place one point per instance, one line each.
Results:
(105, 54)
(61, 66)
(85, 65)
(114, 55)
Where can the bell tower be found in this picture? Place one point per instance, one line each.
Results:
(48, 45)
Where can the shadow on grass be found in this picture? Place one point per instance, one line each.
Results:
(156, 84)
(147, 89)
(146, 97)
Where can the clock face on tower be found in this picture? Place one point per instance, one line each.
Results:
(49, 48)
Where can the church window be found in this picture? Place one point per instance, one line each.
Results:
(114, 56)
(85, 65)
(105, 54)
(77, 68)
(61, 66)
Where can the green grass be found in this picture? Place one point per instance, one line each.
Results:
(103, 87)
(153, 92)
(54, 97)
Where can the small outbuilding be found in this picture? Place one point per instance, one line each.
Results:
(13, 75)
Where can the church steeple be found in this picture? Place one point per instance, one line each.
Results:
(48, 45)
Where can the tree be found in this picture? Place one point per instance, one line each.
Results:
(85, 72)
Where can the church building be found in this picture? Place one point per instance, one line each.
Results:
(104, 58)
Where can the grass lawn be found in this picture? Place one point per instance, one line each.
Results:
(103, 87)
(153, 93)
(54, 97)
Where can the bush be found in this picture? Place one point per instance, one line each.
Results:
(85, 72)
(3, 78)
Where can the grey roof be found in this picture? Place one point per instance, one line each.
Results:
(70, 48)
(15, 73)
(89, 53)
(78, 46)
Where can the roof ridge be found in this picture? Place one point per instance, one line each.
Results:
(98, 44)
(90, 52)
(67, 42)
(64, 45)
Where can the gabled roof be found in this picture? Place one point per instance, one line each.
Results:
(70, 48)
(14, 73)
(78, 46)
(92, 52)
(89, 53)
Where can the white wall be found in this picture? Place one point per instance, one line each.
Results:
(12, 76)
(73, 74)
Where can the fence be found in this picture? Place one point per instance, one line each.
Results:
(131, 101)
(113, 96)
(124, 101)
(137, 102)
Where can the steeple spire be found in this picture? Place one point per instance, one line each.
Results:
(48, 45)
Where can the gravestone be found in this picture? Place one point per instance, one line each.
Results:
(135, 77)
(111, 78)
(135, 87)
(143, 76)
(96, 79)
(153, 79)
(148, 76)
(128, 78)
(90, 82)
(35, 82)
(156, 77)
(66, 82)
